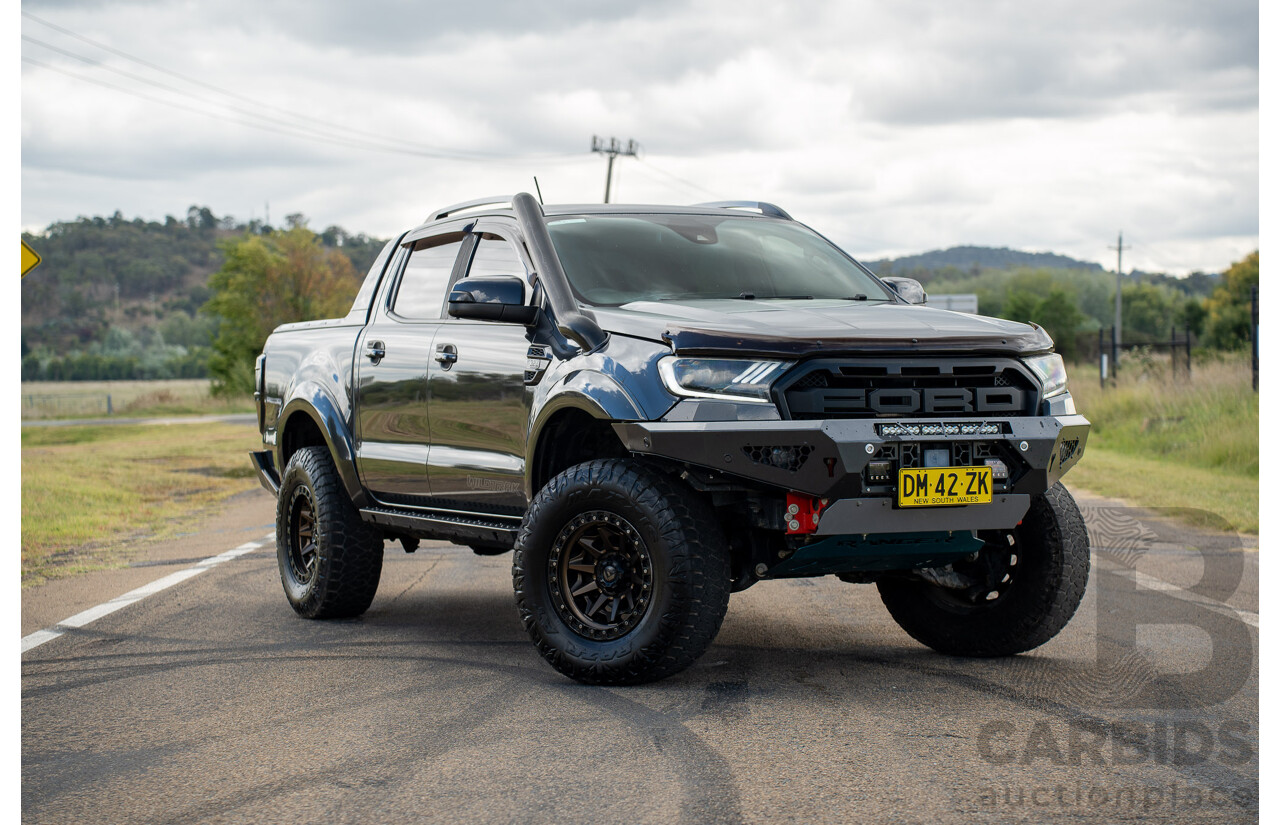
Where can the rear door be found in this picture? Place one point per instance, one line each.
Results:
(479, 401)
(393, 356)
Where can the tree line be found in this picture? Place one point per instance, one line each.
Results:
(125, 299)
(1074, 304)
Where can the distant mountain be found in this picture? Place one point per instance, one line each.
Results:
(967, 259)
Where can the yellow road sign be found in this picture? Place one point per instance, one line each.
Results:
(30, 260)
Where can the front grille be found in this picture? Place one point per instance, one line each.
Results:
(906, 388)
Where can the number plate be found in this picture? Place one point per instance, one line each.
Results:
(940, 486)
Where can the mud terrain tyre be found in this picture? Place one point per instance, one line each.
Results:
(1046, 560)
(621, 574)
(330, 560)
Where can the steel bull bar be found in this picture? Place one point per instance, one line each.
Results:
(826, 459)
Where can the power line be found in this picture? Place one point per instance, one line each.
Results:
(667, 183)
(176, 105)
(294, 129)
(289, 131)
(384, 142)
(689, 183)
(219, 90)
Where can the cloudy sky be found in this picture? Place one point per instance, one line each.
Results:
(892, 127)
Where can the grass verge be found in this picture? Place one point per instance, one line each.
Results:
(1162, 439)
(1203, 497)
(87, 490)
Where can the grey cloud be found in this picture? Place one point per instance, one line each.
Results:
(1058, 60)
(397, 26)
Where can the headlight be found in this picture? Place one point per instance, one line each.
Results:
(723, 378)
(1051, 372)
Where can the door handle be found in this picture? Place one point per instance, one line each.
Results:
(447, 355)
(374, 351)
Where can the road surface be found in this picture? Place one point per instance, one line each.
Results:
(210, 701)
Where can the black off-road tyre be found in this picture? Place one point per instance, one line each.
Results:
(654, 550)
(1050, 554)
(330, 560)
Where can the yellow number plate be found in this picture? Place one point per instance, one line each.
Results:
(939, 486)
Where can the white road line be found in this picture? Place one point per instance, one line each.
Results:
(1147, 582)
(85, 617)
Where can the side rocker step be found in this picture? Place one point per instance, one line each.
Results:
(464, 528)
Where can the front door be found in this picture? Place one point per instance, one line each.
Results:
(479, 401)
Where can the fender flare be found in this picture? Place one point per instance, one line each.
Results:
(588, 391)
(312, 400)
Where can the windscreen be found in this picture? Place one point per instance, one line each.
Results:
(612, 260)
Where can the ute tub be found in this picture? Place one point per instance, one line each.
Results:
(827, 459)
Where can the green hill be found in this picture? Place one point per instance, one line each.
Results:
(970, 259)
(127, 293)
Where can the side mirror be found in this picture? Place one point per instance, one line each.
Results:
(491, 299)
(908, 289)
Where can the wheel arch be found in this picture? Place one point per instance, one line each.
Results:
(311, 418)
(570, 429)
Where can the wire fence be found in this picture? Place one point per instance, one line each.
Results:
(66, 405)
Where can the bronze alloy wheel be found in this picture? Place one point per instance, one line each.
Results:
(302, 536)
(600, 575)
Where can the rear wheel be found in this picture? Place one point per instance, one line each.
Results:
(621, 574)
(1020, 590)
(330, 560)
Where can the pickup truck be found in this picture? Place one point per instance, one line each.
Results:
(656, 406)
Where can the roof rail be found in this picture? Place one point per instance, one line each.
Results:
(764, 208)
(458, 207)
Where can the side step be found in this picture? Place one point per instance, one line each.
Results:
(446, 526)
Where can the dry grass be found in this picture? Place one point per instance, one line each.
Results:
(87, 490)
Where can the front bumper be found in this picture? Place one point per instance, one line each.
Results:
(828, 459)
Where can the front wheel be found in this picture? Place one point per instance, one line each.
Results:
(1024, 586)
(621, 574)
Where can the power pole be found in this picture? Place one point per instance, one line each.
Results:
(1119, 248)
(613, 148)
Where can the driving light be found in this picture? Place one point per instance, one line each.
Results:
(727, 379)
(1051, 372)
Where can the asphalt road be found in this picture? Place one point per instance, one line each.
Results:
(211, 701)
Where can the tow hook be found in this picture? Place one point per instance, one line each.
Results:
(803, 513)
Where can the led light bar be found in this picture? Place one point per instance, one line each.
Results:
(899, 430)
